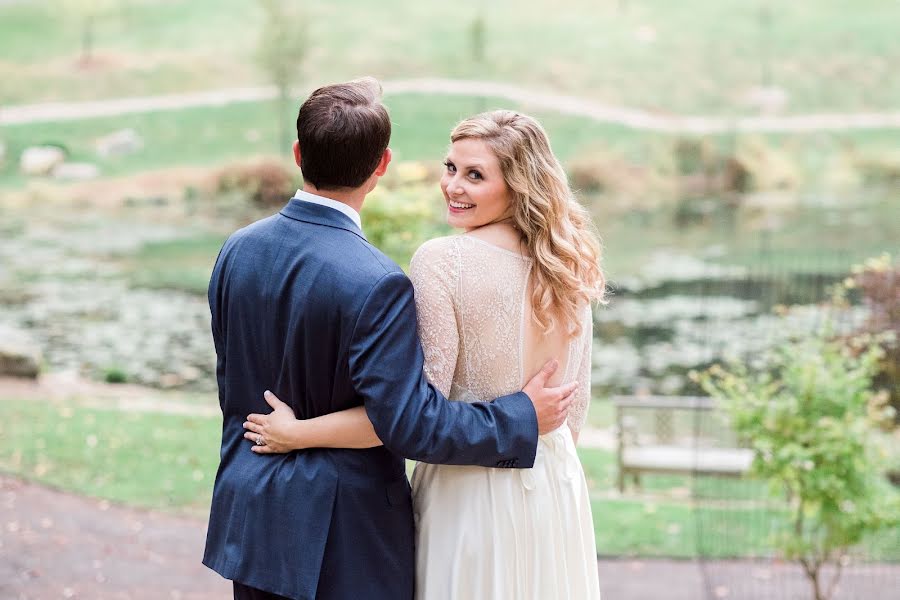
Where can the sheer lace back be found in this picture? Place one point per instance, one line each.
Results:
(471, 298)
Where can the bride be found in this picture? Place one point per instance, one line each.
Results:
(494, 304)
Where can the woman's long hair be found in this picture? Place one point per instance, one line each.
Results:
(556, 229)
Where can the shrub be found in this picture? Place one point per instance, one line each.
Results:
(695, 155)
(811, 417)
(267, 183)
(409, 173)
(398, 221)
(878, 283)
(624, 183)
(115, 375)
(766, 167)
(881, 168)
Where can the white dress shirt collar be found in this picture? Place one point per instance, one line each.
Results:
(338, 206)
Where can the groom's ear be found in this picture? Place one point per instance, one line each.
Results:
(297, 152)
(381, 169)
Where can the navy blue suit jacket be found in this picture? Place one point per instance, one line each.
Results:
(303, 305)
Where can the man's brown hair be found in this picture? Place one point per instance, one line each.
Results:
(343, 130)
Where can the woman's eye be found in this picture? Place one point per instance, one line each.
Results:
(451, 168)
(474, 175)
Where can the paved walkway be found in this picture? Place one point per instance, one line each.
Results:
(58, 545)
(571, 105)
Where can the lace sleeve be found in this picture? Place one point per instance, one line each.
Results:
(434, 271)
(578, 412)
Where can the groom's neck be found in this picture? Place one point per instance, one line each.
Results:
(352, 197)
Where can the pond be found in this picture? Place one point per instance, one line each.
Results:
(75, 279)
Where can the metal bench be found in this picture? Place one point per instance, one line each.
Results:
(709, 447)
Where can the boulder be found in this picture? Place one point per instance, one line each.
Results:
(119, 143)
(41, 160)
(76, 171)
(19, 355)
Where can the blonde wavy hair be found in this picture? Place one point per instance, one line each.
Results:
(556, 229)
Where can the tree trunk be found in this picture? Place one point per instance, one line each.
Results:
(817, 588)
(812, 571)
(87, 39)
(284, 135)
(765, 49)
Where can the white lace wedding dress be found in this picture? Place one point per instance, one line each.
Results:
(496, 534)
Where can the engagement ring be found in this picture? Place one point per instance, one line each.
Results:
(259, 441)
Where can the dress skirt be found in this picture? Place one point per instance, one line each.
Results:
(506, 534)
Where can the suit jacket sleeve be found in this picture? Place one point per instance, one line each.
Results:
(413, 418)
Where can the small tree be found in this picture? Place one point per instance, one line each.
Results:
(766, 21)
(477, 43)
(282, 46)
(477, 39)
(86, 13)
(810, 417)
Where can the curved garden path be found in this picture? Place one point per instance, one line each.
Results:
(571, 105)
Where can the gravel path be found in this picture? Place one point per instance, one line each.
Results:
(533, 99)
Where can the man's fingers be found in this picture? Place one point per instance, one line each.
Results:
(568, 389)
(548, 370)
(540, 380)
(566, 403)
(563, 406)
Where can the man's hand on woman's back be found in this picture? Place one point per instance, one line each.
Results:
(550, 403)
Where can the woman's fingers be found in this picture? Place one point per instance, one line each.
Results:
(272, 399)
(259, 419)
(255, 437)
(254, 427)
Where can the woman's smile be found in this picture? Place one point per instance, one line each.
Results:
(457, 206)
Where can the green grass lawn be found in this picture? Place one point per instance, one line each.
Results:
(689, 56)
(149, 460)
(168, 462)
(213, 135)
(642, 528)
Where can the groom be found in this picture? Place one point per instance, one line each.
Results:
(303, 305)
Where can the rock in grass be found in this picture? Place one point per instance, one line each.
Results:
(76, 171)
(119, 143)
(41, 160)
(19, 355)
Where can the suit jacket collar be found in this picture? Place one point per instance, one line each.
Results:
(300, 210)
